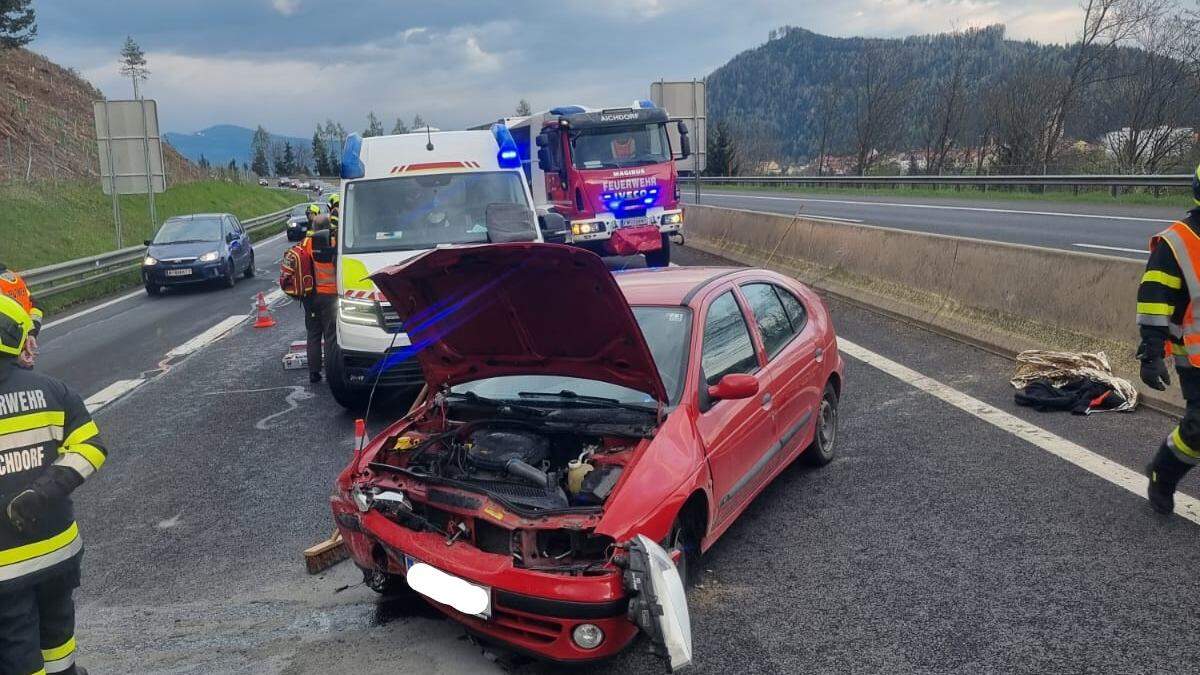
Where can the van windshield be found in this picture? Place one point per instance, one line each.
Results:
(419, 212)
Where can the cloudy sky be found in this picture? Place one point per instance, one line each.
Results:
(287, 63)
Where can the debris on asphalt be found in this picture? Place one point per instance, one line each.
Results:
(1077, 381)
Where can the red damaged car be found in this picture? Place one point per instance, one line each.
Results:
(583, 437)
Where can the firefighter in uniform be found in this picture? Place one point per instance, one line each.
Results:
(1168, 315)
(320, 308)
(48, 446)
(12, 285)
(335, 209)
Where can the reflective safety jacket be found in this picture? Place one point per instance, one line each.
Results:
(48, 442)
(1167, 307)
(324, 268)
(12, 285)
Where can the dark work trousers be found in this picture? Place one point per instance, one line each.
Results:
(320, 323)
(37, 629)
(1189, 426)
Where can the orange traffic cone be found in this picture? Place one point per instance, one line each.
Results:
(264, 320)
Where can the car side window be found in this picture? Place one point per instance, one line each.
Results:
(796, 312)
(727, 346)
(770, 316)
(237, 225)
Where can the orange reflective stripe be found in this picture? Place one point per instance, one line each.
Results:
(1186, 246)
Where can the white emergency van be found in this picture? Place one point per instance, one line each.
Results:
(403, 194)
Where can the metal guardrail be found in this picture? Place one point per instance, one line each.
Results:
(65, 276)
(1114, 182)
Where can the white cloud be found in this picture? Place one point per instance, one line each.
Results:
(286, 7)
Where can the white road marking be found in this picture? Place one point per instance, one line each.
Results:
(836, 220)
(207, 337)
(1113, 248)
(111, 393)
(89, 310)
(1117, 474)
(941, 207)
(273, 297)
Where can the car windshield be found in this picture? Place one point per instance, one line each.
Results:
(179, 230)
(668, 333)
(301, 210)
(618, 147)
(419, 212)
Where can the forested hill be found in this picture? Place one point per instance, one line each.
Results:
(781, 92)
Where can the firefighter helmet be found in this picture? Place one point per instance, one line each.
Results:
(314, 209)
(335, 199)
(1196, 186)
(15, 325)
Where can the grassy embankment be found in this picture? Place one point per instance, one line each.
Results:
(1169, 198)
(51, 222)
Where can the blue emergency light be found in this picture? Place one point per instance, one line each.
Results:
(508, 157)
(352, 166)
(643, 103)
(567, 110)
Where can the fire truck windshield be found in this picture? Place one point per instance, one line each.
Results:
(618, 147)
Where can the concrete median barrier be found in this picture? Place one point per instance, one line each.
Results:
(1005, 297)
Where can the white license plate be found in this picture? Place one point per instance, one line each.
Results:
(633, 222)
(448, 589)
(179, 273)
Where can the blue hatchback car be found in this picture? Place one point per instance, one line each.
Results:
(203, 247)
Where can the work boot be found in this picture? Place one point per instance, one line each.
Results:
(314, 376)
(1164, 472)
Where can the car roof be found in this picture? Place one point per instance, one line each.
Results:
(668, 285)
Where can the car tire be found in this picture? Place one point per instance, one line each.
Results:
(250, 271)
(661, 257)
(824, 443)
(230, 279)
(684, 539)
(153, 290)
(347, 395)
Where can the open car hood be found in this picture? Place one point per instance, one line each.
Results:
(473, 312)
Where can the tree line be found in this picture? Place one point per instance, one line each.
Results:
(971, 101)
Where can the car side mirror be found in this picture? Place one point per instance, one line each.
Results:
(230, 237)
(147, 242)
(545, 158)
(554, 227)
(685, 143)
(734, 386)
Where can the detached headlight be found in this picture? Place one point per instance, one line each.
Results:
(672, 218)
(211, 256)
(359, 312)
(149, 262)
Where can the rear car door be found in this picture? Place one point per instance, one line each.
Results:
(790, 376)
(735, 433)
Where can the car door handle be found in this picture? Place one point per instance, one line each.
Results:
(819, 354)
(766, 399)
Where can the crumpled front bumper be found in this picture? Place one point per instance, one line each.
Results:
(532, 612)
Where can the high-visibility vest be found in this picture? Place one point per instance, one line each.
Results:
(1186, 246)
(324, 273)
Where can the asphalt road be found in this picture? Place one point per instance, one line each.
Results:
(1121, 230)
(935, 542)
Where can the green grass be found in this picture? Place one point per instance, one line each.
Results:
(51, 222)
(1139, 197)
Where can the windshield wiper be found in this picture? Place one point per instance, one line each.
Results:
(182, 241)
(572, 397)
(504, 406)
